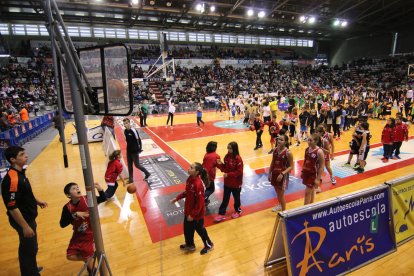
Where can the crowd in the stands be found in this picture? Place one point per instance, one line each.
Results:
(25, 88)
(30, 85)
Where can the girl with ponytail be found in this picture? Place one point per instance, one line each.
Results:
(113, 171)
(194, 209)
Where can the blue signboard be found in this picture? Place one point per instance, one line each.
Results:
(338, 237)
(283, 106)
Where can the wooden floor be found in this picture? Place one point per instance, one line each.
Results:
(240, 245)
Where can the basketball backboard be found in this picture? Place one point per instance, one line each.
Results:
(108, 71)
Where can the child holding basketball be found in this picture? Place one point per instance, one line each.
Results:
(76, 212)
(113, 171)
(194, 209)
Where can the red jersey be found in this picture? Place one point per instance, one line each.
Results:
(194, 198)
(113, 170)
(400, 133)
(327, 144)
(273, 128)
(233, 166)
(310, 166)
(108, 121)
(280, 162)
(387, 135)
(82, 230)
(210, 164)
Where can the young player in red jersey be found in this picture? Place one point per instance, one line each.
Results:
(210, 165)
(312, 168)
(282, 164)
(273, 131)
(328, 150)
(76, 212)
(113, 171)
(400, 135)
(194, 209)
(233, 181)
(387, 139)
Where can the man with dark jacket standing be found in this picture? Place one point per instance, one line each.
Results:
(134, 147)
(21, 205)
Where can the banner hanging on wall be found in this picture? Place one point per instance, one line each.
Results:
(341, 235)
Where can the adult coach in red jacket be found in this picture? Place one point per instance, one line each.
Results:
(194, 209)
(233, 180)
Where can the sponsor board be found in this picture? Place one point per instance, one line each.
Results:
(340, 235)
(403, 206)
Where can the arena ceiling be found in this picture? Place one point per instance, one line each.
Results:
(282, 17)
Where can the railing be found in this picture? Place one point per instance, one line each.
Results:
(20, 135)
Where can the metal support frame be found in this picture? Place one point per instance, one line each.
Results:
(74, 71)
(162, 67)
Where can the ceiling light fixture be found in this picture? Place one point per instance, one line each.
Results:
(261, 14)
(344, 23)
(134, 2)
(213, 8)
(311, 20)
(250, 12)
(302, 18)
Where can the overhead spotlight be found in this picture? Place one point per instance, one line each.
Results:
(134, 2)
(336, 22)
(168, 3)
(293, 18)
(152, 2)
(212, 8)
(199, 7)
(250, 12)
(344, 23)
(311, 20)
(302, 18)
(261, 14)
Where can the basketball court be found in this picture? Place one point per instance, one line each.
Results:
(142, 232)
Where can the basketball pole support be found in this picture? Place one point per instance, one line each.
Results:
(74, 70)
(57, 89)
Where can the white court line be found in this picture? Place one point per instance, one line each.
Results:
(199, 130)
(168, 146)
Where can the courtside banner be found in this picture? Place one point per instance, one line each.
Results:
(346, 233)
(403, 206)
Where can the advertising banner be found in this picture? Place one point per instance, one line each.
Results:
(341, 235)
(165, 171)
(403, 206)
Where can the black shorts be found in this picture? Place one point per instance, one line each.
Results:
(354, 147)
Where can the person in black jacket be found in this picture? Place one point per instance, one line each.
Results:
(134, 147)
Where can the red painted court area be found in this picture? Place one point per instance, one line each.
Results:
(190, 131)
(155, 204)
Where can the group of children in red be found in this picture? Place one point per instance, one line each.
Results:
(197, 198)
(393, 134)
(200, 183)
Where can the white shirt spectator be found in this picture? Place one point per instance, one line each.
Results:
(171, 107)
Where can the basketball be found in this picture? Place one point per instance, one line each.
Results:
(252, 128)
(116, 89)
(131, 188)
